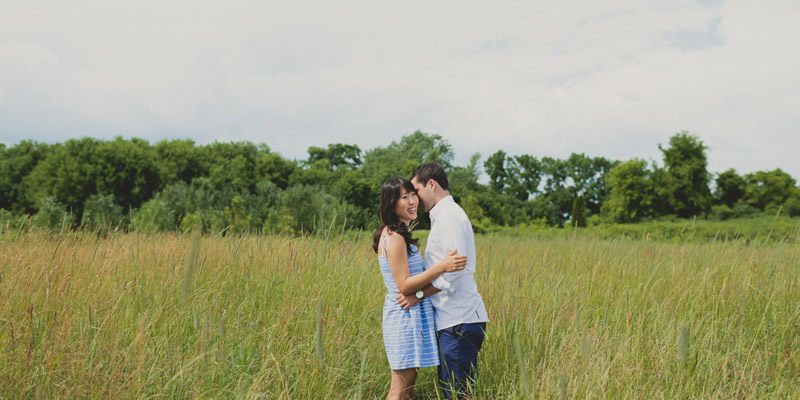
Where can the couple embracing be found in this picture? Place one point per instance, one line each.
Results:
(433, 314)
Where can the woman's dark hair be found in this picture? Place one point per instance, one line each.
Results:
(390, 193)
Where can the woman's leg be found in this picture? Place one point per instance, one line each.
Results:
(402, 384)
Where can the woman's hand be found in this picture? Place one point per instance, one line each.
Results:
(406, 301)
(453, 262)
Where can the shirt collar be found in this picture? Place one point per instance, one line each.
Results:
(441, 205)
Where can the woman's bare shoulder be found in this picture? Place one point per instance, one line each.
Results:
(388, 240)
(394, 240)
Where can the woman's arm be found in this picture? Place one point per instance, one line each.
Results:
(398, 264)
(409, 300)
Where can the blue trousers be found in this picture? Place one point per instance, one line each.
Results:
(458, 353)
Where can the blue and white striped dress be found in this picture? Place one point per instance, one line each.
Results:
(409, 336)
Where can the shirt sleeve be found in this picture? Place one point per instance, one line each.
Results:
(452, 237)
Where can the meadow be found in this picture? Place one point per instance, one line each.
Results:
(170, 315)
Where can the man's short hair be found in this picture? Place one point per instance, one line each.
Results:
(428, 171)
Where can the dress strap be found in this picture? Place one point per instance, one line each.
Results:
(384, 246)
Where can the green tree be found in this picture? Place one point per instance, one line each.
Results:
(336, 170)
(197, 205)
(179, 160)
(266, 198)
(769, 190)
(206, 204)
(360, 197)
(550, 185)
(588, 175)
(402, 158)
(16, 162)
(527, 171)
(69, 173)
(791, 206)
(466, 178)
(687, 176)
(495, 167)
(232, 165)
(497, 208)
(557, 190)
(518, 176)
(274, 167)
(631, 195)
(480, 222)
(338, 155)
(127, 170)
(730, 187)
(579, 212)
(542, 208)
(317, 173)
(178, 200)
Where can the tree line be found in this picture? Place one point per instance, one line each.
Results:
(240, 186)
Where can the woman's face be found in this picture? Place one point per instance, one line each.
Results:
(406, 207)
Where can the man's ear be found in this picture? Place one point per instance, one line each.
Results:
(433, 185)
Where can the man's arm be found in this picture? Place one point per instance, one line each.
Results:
(452, 237)
(398, 264)
(408, 301)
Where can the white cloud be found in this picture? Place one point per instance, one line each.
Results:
(608, 79)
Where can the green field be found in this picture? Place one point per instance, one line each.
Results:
(572, 316)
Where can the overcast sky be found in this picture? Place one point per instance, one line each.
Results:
(605, 78)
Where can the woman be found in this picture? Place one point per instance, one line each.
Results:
(409, 336)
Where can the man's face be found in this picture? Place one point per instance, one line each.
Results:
(425, 194)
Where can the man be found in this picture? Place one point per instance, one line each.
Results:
(458, 307)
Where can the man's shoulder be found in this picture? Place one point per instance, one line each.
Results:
(451, 219)
(455, 212)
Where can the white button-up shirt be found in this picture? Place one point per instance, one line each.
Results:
(459, 301)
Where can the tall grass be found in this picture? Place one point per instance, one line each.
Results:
(758, 230)
(171, 315)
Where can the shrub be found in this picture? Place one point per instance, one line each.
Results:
(721, 212)
(52, 214)
(744, 210)
(101, 210)
(155, 214)
(191, 222)
(237, 216)
(312, 208)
